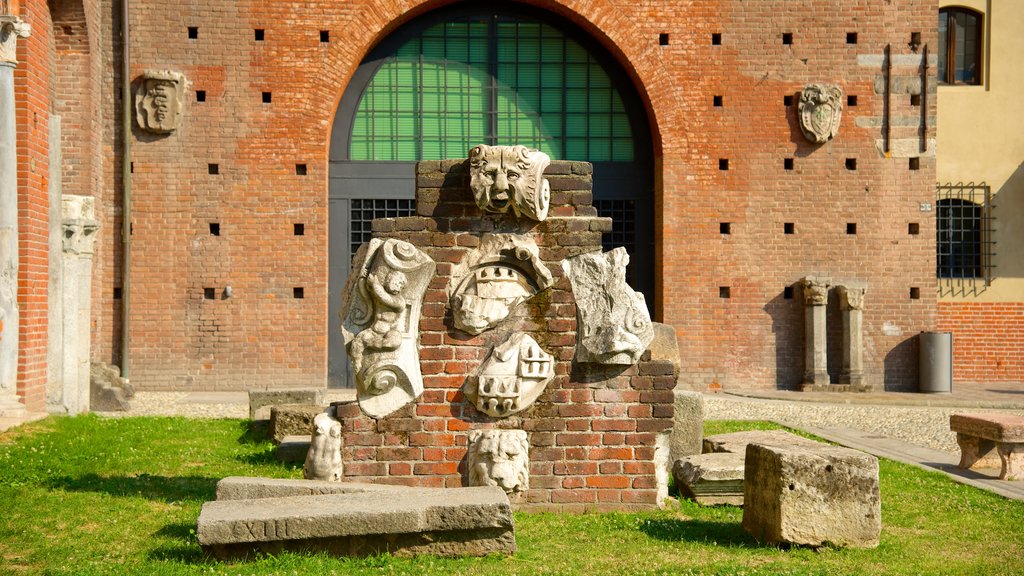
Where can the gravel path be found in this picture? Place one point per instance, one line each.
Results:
(921, 426)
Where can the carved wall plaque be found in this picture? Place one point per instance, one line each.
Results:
(511, 378)
(159, 101)
(613, 324)
(821, 109)
(381, 311)
(492, 280)
(510, 177)
(499, 458)
(323, 461)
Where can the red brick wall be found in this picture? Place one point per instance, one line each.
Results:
(262, 336)
(592, 431)
(32, 77)
(988, 340)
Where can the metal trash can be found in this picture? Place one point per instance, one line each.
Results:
(936, 362)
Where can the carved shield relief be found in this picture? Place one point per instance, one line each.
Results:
(821, 109)
(512, 377)
(159, 101)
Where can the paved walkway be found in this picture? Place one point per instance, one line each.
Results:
(964, 395)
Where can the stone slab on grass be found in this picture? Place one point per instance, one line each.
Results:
(687, 424)
(254, 488)
(737, 441)
(260, 400)
(294, 448)
(711, 479)
(812, 496)
(407, 522)
(292, 419)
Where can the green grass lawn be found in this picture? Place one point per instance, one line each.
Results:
(88, 495)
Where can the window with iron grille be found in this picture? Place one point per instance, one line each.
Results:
(623, 215)
(964, 245)
(363, 211)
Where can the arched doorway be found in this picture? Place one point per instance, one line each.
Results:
(471, 75)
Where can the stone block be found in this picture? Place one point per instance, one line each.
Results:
(687, 424)
(109, 392)
(737, 441)
(294, 448)
(665, 347)
(260, 400)
(408, 522)
(292, 419)
(709, 479)
(254, 488)
(812, 496)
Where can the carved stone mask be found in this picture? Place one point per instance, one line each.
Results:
(510, 177)
(499, 458)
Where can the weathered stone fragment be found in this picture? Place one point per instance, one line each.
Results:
(252, 488)
(159, 101)
(260, 400)
(108, 391)
(665, 346)
(812, 495)
(613, 324)
(499, 458)
(505, 178)
(512, 377)
(292, 419)
(381, 311)
(294, 448)
(323, 462)
(444, 522)
(737, 442)
(493, 279)
(687, 424)
(821, 109)
(710, 479)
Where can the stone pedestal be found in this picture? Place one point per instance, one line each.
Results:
(815, 290)
(11, 27)
(79, 239)
(851, 300)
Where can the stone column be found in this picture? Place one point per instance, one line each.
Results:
(815, 291)
(851, 300)
(79, 225)
(11, 27)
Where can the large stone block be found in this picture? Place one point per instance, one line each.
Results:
(710, 479)
(253, 488)
(260, 399)
(687, 424)
(294, 448)
(292, 419)
(737, 442)
(812, 495)
(407, 522)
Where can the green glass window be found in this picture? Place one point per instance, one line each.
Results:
(491, 81)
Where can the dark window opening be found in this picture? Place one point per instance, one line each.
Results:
(717, 101)
(663, 39)
(267, 97)
(851, 228)
(851, 100)
(851, 37)
(725, 228)
(299, 229)
(300, 169)
(209, 293)
(325, 35)
(723, 163)
(787, 292)
(213, 168)
(787, 100)
(298, 292)
(259, 34)
(789, 228)
(960, 36)
(214, 228)
(914, 163)
(716, 39)
(193, 32)
(963, 231)
(200, 95)
(724, 292)
(851, 163)
(787, 164)
(787, 38)
(913, 228)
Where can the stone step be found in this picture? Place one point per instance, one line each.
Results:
(252, 488)
(737, 441)
(412, 521)
(711, 479)
(294, 448)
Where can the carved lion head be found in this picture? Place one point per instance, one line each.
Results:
(499, 458)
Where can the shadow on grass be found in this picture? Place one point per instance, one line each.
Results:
(164, 488)
(720, 533)
(253, 431)
(184, 548)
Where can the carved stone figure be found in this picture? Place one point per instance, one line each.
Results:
(821, 109)
(492, 280)
(381, 313)
(614, 325)
(499, 458)
(159, 101)
(510, 177)
(323, 461)
(11, 28)
(511, 378)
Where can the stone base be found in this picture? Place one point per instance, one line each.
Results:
(812, 496)
(687, 424)
(711, 479)
(260, 400)
(736, 442)
(837, 388)
(404, 522)
(294, 448)
(10, 407)
(292, 420)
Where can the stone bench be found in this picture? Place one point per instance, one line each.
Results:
(979, 435)
(359, 522)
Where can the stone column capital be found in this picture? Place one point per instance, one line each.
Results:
(815, 290)
(11, 28)
(851, 297)
(79, 224)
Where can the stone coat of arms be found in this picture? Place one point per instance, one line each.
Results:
(821, 109)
